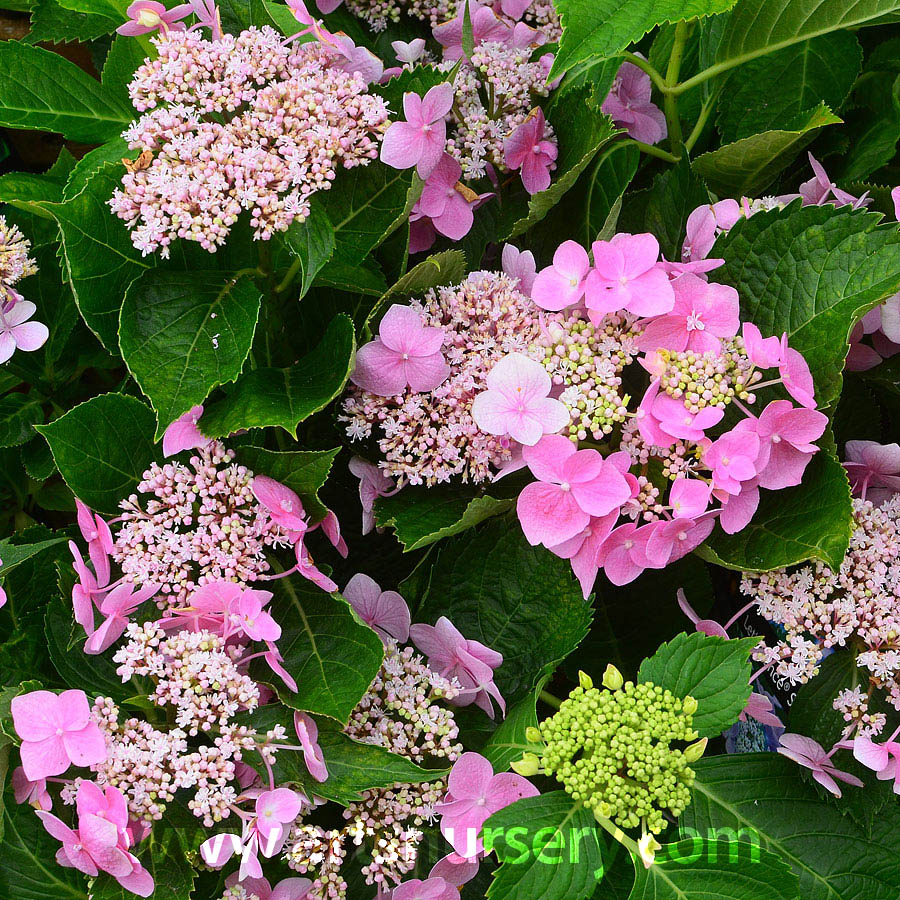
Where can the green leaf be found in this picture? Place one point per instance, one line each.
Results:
(38, 460)
(311, 243)
(675, 194)
(44, 91)
(548, 849)
(29, 870)
(303, 471)
(23, 189)
(420, 516)
(102, 448)
(759, 27)
(331, 655)
(125, 56)
(581, 130)
(14, 555)
(613, 172)
(809, 521)
(100, 258)
(771, 91)
(92, 162)
(164, 854)
(508, 742)
(712, 670)
(812, 711)
(286, 397)
(726, 870)
(760, 796)
(603, 28)
(517, 599)
(811, 272)
(365, 205)
(184, 333)
(54, 23)
(18, 414)
(751, 164)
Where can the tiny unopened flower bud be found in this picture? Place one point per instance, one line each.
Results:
(690, 706)
(612, 678)
(695, 751)
(533, 735)
(585, 680)
(647, 847)
(528, 765)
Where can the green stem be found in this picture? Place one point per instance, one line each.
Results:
(549, 699)
(650, 150)
(670, 101)
(702, 119)
(617, 833)
(643, 64)
(288, 279)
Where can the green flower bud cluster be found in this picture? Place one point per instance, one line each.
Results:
(708, 379)
(611, 749)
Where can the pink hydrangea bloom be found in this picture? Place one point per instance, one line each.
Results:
(583, 550)
(703, 312)
(880, 758)
(669, 541)
(145, 16)
(83, 591)
(409, 52)
(474, 793)
(117, 607)
(470, 662)
(763, 352)
(287, 888)
(385, 612)
(486, 26)
(786, 442)
(100, 543)
(873, 468)
(308, 735)
(406, 352)
(679, 423)
(433, 888)
(760, 708)
(32, 792)
(374, 482)
(628, 105)
(572, 486)
(626, 276)
(183, 433)
(563, 283)
(689, 497)
(516, 401)
(705, 224)
(56, 732)
(283, 505)
(732, 459)
(16, 332)
(527, 149)
(446, 201)
(420, 140)
(820, 189)
(520, 264)
(795, 375)
(738, 509)
(623, 555)
(808, 753)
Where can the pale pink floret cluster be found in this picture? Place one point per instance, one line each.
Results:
(189, 525)
(858, 605)
(243, 123)
(429, 438)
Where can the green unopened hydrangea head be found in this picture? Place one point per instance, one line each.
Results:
(612, 750)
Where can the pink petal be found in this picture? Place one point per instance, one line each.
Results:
(455, 222)
(35, 715)
(402, 145)
(506, 788)
(21, 312)
(86, 747)
(379, 370)
(31, 335)
(553, 290)
(470, 777)
(547, 458)
(44, 758)
(437, 102)
(549, 515)
(425, 373)
(183, 433)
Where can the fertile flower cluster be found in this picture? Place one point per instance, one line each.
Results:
(431, 437)
(16, 331)
(859, 604)
(482, 377)
(251, 122)
(612, 750)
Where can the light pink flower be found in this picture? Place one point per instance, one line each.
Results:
(669, 541)
(474, 793)
(572, 486)
(287, 888)
(688, 497)
(820, 189)
(738, 509)
(433, 888)
(623, 555)
(583, 550)
(148, 15)
(516, 401)
(455, 869)
(33, 792)
(705, 224)
(880, 758)
(207, 14)
(515, 9)
(628, 105)
(308, 569)
(732, 459)
(808, 753)
(420, 140)
(760, 708)
(183, 433)
(872, 465)
(677, 421)
(446, 201)
(283, 505)
(352, 59)
(56, 731)
(795, 375)
(325, 7)
(485, 27)
(16, 332)
(406, 352)
(763, 352)
(703, 313)
(374, 482)
(520, 264)
(84, 591)
(100, 543)
(117, 606)
(308, 735)
(563, 283)
(409, 52)
(527, 149)
(230, 609)
(626, 276)
(275, 810)
(470, 662)
(786, 435)
(385, 612)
